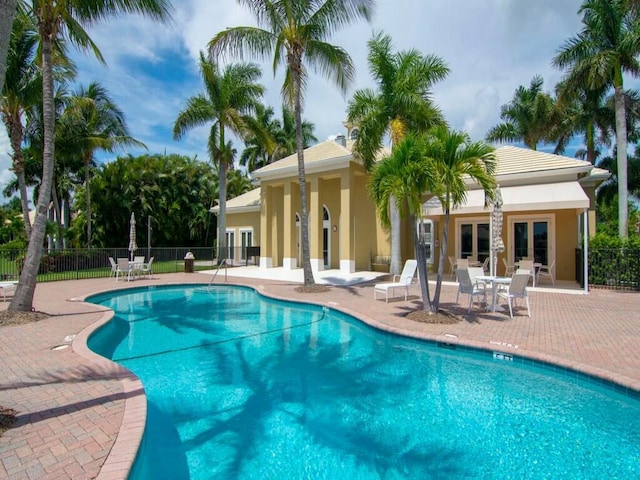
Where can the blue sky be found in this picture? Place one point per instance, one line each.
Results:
(491, 47)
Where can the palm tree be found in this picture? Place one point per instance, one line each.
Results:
(22, 90)
(258, 150)
(584, 111)
(607, 47)
(401, 103)
(527, 117)
(7, 13)
(405, 176)
(455, 159)
(286, 135)
(92, 121)
(55, 21)
(296, 33)
(231, 98)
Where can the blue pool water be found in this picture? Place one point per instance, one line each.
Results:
(241, 386)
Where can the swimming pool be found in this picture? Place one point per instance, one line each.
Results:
(242, 386)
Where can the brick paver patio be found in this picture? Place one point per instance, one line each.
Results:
(72, 420)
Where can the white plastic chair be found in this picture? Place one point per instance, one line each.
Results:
(124, 267)
(470, 287)
(114, 266)
(517, 289)
(146, 268)
(452, 265)
(546, 271)
(528, 265)
(509, 269)
(399, 281)
(485, 265)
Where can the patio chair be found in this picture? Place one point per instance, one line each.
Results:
(461, 263)
(528, 265)
(114, 266)
(146, 268)
(399, 281)
(124, 267)
(546, 271)
(485, 265)
(517, 289)
(452, 265)
(509, 269)
(470, 287)
(7, 286)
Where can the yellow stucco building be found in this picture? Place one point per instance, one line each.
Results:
(549, 201)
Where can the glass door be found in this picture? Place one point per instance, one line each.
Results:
(531, 240)
(474, 240)
(231, 239)
(245, 241)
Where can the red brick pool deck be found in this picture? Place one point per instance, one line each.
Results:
(81, 416)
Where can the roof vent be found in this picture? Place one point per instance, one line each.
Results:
(341, 140)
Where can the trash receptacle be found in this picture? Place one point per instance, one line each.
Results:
(188, 262)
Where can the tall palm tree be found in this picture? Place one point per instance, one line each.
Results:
(7, 13)
(22, 90)
(58, 20)
(92, 121)
(606, 48)
(527, 117)
(455, 158)
(231, 98)
(296, 32)
(584, 111)
(401, 103)
(405, 176)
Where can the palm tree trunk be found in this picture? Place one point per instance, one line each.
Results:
(423, 274)
(443, 257)
(15, 136)
(7, 13)
(396, 244)
(88, 201)
(222, 191)
(58, 214)
(304, 216)
(621, 144)
(23, 298)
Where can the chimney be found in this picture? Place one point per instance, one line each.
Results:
(341, 140)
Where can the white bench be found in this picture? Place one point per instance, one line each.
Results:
(7, 286)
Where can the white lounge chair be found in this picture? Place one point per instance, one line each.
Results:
(124, 267)
(546, 271)
(470, 287)
(399, 281)
(517, 289)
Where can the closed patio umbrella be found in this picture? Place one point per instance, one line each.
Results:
(132, 235)
(497, 245)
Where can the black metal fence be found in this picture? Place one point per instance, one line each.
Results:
(617, 268)
(78, 263)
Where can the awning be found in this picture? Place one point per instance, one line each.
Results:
(549, 196)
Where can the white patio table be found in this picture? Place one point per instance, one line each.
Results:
(495, 281)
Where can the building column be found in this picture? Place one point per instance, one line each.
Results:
(315, 225)
(347, 224)
(289, 260)
(266, 260)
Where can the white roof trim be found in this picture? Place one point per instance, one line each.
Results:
(549, 196)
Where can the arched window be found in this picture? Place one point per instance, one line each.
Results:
(354, 134)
